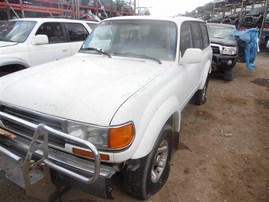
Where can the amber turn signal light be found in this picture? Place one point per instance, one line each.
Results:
(88, 154)
(119, 138)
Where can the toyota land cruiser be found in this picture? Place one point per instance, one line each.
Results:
(113, 107)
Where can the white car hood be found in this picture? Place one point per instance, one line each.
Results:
(87, 88)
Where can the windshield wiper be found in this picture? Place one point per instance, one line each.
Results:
(98, 51)
(139, 55)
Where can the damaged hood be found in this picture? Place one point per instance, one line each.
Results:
(86, 88)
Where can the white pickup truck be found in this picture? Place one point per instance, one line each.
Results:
(115, 106)
(27, 42)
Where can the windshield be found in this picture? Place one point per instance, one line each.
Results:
(16, 31)
(134, 38)
(221, 32)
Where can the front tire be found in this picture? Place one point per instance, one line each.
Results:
(154, 168)
(229, 75)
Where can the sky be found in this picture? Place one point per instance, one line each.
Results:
(171, 7)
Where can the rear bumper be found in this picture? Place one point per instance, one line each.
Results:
(36, 167)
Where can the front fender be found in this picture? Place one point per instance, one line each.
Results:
(13, 61)
(169, 108)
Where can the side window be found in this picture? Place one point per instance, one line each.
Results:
(53, 30)
(185, 38)
(204, 35)
(196, 36)
(76, 31)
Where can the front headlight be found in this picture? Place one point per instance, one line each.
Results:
(105, 138)
(229, 50)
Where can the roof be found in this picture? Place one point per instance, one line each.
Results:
(52, 20)
(177, 19)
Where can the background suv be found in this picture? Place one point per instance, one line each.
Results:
(224, 48)
(28, 42)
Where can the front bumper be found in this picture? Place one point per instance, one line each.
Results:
(36, 167)
(223, 62)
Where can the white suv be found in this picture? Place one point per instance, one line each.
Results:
(113, 107)
(28, 42)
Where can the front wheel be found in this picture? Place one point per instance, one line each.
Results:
(154, 168)
(229, 75)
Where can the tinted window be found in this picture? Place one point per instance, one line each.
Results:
(76, 31)
(185, 38)
(204, 36)
(53, 30)
(197, 41)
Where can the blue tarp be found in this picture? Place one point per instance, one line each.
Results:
(250, 36)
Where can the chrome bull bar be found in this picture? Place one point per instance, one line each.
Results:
(42, 130)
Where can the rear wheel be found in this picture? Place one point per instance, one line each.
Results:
(199, 97)
(154, 169)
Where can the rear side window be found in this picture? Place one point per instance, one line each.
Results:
(54, 31)
(76, 31)
(196, 36)
(204, 35)
(185, 38)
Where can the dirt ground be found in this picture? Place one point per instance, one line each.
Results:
(224, 151)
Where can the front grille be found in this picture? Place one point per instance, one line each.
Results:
(35, 118)
(215, 49)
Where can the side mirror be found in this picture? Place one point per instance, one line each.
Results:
(191, 56)
(40, 39)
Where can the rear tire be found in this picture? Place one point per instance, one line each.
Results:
(199, 97)
(153, 170)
